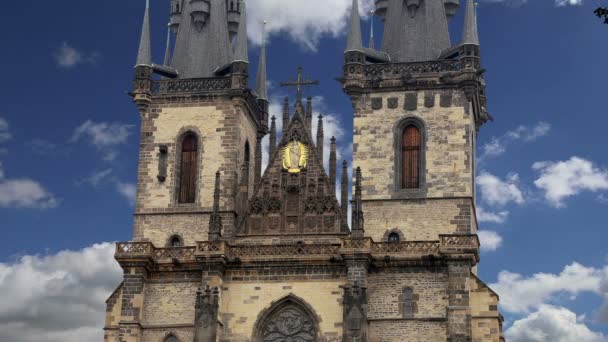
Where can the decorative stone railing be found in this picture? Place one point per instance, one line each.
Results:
(392, 70)
(447, 244)
(196, 85)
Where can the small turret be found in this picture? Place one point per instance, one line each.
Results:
(470, 34)
(262, 76)
(235, 19)
(332, 166)
(241, 52)
(167, 60)
(320, 137)
(344, 190)
(358, 230)
(285, 114)
(273, 136)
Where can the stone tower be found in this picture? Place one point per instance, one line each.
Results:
(418, 105)
(224, 252)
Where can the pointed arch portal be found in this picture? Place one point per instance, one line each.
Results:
(289, 319)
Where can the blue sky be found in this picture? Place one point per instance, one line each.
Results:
(69, 144)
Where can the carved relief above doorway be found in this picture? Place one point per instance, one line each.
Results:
(288, 320)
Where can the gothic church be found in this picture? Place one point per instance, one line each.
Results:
(224, 251)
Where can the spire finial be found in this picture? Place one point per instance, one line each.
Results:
(320, 137)
(215, 221)
(372, 43)
(332, 165)
(355, 42)
(144, 55)
(167, 60)
(358, 230)
(470, 33)
(344, 191)
(262, 77)
(241, 52)
(273, 135)
(285, 114)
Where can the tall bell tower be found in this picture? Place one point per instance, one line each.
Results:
(418, 104)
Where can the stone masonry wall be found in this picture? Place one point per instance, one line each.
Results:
(243, 302)
(418, 220)
(429, 286)
(407, 331)
(449, 146)
(223, 129)
(484, 311)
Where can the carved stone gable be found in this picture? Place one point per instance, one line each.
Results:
(294, 195)
(287, 320)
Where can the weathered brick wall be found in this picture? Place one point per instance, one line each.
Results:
(385, 290)
(243, 302)
(223, 129)
(407, 331)
(169, 303)
(418, 220)
(486, 324)
(449, 144)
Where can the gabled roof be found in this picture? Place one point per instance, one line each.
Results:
(293, 203)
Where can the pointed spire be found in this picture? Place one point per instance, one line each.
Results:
(372, 44)
(241, 52)
(358, 230)
(167, 61)
(273, 136)
(144, 56)
(262, 77)
(309, 112)
(215, 221)
(285, 114)
(355, 42)
(332, 166)
(470, 34)
(344, 194)
(320, 136)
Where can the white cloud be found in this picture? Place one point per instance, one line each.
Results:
(563, 179)
(551, 323)
(5, 134)
(489, 240)
(128, 191)
(491, 217)
(520, 294)
(96, 178)
(105, 136)
(495, 191)
(498, 145)
(305, 22)
(59, 297)
(25, 193)
(563, 3)
(67, 56)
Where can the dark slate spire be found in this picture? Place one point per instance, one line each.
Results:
(215, 221)
(167, 60)
(414, 30)
(203, 44)
(262, 77)
(285, 114)
(241, 52)
(144, 56)
(320, 137)
(344, 190)
(332, 166)
(470, 34)
(358, 229)
(273, 136)
(355, 41)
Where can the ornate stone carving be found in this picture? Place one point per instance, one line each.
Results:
(355, 314)
(288, 322)
(206, 310)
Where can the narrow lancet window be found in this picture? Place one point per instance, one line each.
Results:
(411, 154)
(187, 184)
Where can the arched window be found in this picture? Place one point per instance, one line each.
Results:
(394, 238)
(171, 338)
(175, 241)
(187, 182)
(410, 158)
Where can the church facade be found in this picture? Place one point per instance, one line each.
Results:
(224, 251)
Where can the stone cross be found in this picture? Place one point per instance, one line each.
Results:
(299, 83)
